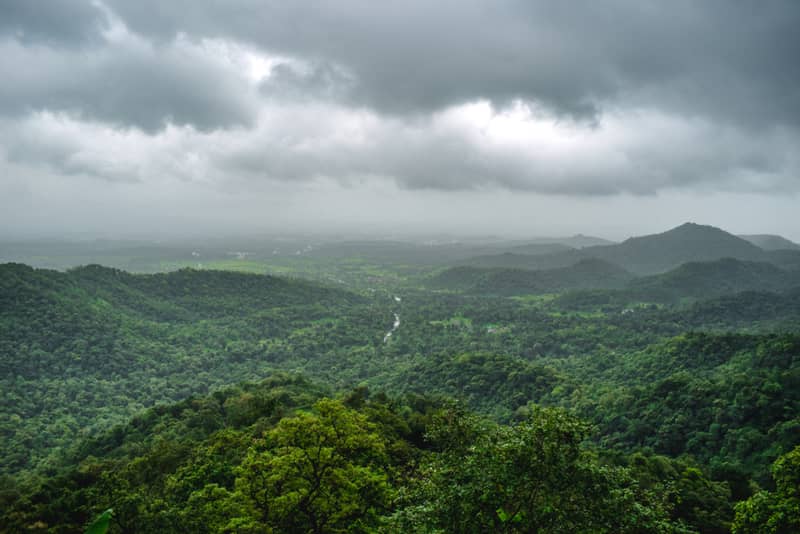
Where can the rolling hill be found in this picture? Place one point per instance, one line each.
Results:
(771, 242)
(111, 343)
(715, 278)
(651, 254)
(585, 274)
(687, 243)
(696, 280)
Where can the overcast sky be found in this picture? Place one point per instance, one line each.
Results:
(614, 118)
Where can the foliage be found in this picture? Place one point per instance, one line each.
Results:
(115, 390)
(531, 476)
(320, 472)
(774, 511)
(101, 523)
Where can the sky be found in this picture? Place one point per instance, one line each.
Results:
(518, 118)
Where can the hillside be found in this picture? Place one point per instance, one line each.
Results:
(107, 343)
(202, 461)
(583, 241)
(383, 464)
(83, 351)
(407, 253)
(697, 280)
(771, 242)
(575, 241)
(587, 273)
(650, 254)
(715, 278)
(539, 249)
(534, 262)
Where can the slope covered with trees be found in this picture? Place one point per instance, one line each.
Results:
(653, 254)
(693, 280)
(278, 456)
(589, 273)
(664, 413)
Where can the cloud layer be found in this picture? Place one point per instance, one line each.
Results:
(585, 99)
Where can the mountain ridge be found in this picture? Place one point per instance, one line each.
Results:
(653, 253)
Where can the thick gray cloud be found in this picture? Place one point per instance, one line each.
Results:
(729, 60)
(285, 100)
(466, 148)
(125, 82)
(56, 22)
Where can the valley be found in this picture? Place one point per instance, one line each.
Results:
(665, 369)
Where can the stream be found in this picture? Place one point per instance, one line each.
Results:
(396, 324)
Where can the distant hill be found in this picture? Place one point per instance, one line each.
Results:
(700, 281)
(575, 241)
(651, 254)
(787, 259)
(399, 252)
(587, 273)
(686, 243)
(716, 278)
(696, 280)
(771, 242)
(535, 262)
(113, 342)
(539, 249)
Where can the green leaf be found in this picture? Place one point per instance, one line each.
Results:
(502, 515)
(100, 524)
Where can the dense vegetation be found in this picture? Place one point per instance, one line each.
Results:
(279, 457)
(693, 280)
(654, 254)
(588, 401)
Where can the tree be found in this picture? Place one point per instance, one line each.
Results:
(774, 512)
(320, 472)
(529, 477)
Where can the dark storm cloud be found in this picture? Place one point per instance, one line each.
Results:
(58, 22)
(126, 84)
(727, 60)
(581, 98)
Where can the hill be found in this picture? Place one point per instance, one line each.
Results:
(697, 280)
(107, 343)
(771, 242)
(84, 350)
(534, 262)
(575, 241)
(275, 457)
(650, 254)
(686, 243)
(539, 249)
(588, 273)
(715, 278)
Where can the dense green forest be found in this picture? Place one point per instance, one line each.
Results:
(584, 398)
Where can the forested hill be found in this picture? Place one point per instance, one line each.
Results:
(81, 349)
(771, 242)
(187, 293)
(686, 243)
(690, 403)
(697, 280)
(280, 456)
(589, 273)
(652, 254)
(716, 278)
